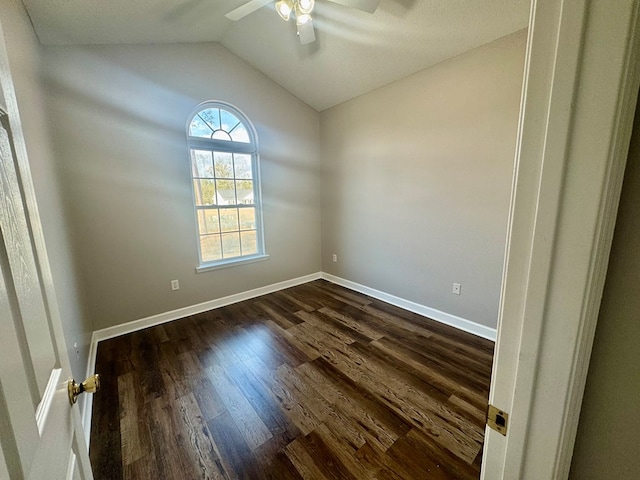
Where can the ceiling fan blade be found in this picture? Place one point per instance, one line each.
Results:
(368, 6)
(307, 33)
(244, 10)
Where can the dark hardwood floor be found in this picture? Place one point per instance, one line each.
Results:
(313, 382)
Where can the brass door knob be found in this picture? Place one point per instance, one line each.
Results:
(90, 385)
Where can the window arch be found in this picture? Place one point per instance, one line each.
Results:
(223, 152)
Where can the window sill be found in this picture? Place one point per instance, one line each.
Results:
(231, 263)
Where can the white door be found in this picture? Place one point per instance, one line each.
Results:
(40, 432)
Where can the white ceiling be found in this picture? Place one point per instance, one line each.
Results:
(355, 52)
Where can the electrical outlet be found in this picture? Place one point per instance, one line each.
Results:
(456, 289)
(175, 285)
(335, 258)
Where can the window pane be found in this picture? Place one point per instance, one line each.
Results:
(221, 135)
(208, 221)
(240, 134)
(231, 245)
(210, 248)
(229, 219)
(211, 116)
(247, 218)
(226, 192)
(224, 164)
(229, 120)
(249, 242)
(202, 162)
(243, 166)
(205, 192)
(244, 189)
(199, 128)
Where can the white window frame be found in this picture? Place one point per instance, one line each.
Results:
(216, 145)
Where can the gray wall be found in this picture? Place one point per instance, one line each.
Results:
(24, 53)
(119, 115)
(417, 178)
(608, 440)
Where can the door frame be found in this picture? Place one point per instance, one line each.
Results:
(579, 95)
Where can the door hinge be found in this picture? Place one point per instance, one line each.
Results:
(497, 419)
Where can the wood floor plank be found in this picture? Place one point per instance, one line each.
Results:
(344, 295)
(131, 444)
(384, 417)
(433, 417)
(173, 447)
(370, 427)
(429, 373)
(467, 410)
(355, 330)
(174, 376)
(106, 445)
(210, 403)
(235, 453)
(345, 428)
(325, 459)
(300, 414)
(282, 303)
(313, 382)
(327, 328)
(301, 302)
(302, 460)
(145, 355)
(281, 317)
(410, 349)
(479, 344)
(273, 462)
(302, 392)
(251, 427)
(204, 458)
(144, 468)
(395, 320)
(396, 367)
(388, 467)
(305, 348)
(263, 344)
(263, 403)
(420, 466)
(444, 460)
(461, 438)
(345, 453)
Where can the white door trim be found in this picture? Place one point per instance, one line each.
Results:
(579, 96)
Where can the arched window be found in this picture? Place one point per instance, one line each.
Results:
(226, 185)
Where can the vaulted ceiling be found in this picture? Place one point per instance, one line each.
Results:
(355, 52)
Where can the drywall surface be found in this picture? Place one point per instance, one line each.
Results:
(24, 53)
(119, 115)
(609, 430)
(417, 178)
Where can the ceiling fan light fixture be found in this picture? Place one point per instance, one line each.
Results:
(305, 6)
(302, 18)
(284, 9)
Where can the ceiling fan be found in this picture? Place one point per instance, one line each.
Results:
(301, 9)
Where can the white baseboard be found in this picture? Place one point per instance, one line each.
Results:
(442, 317)
(129, 327)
